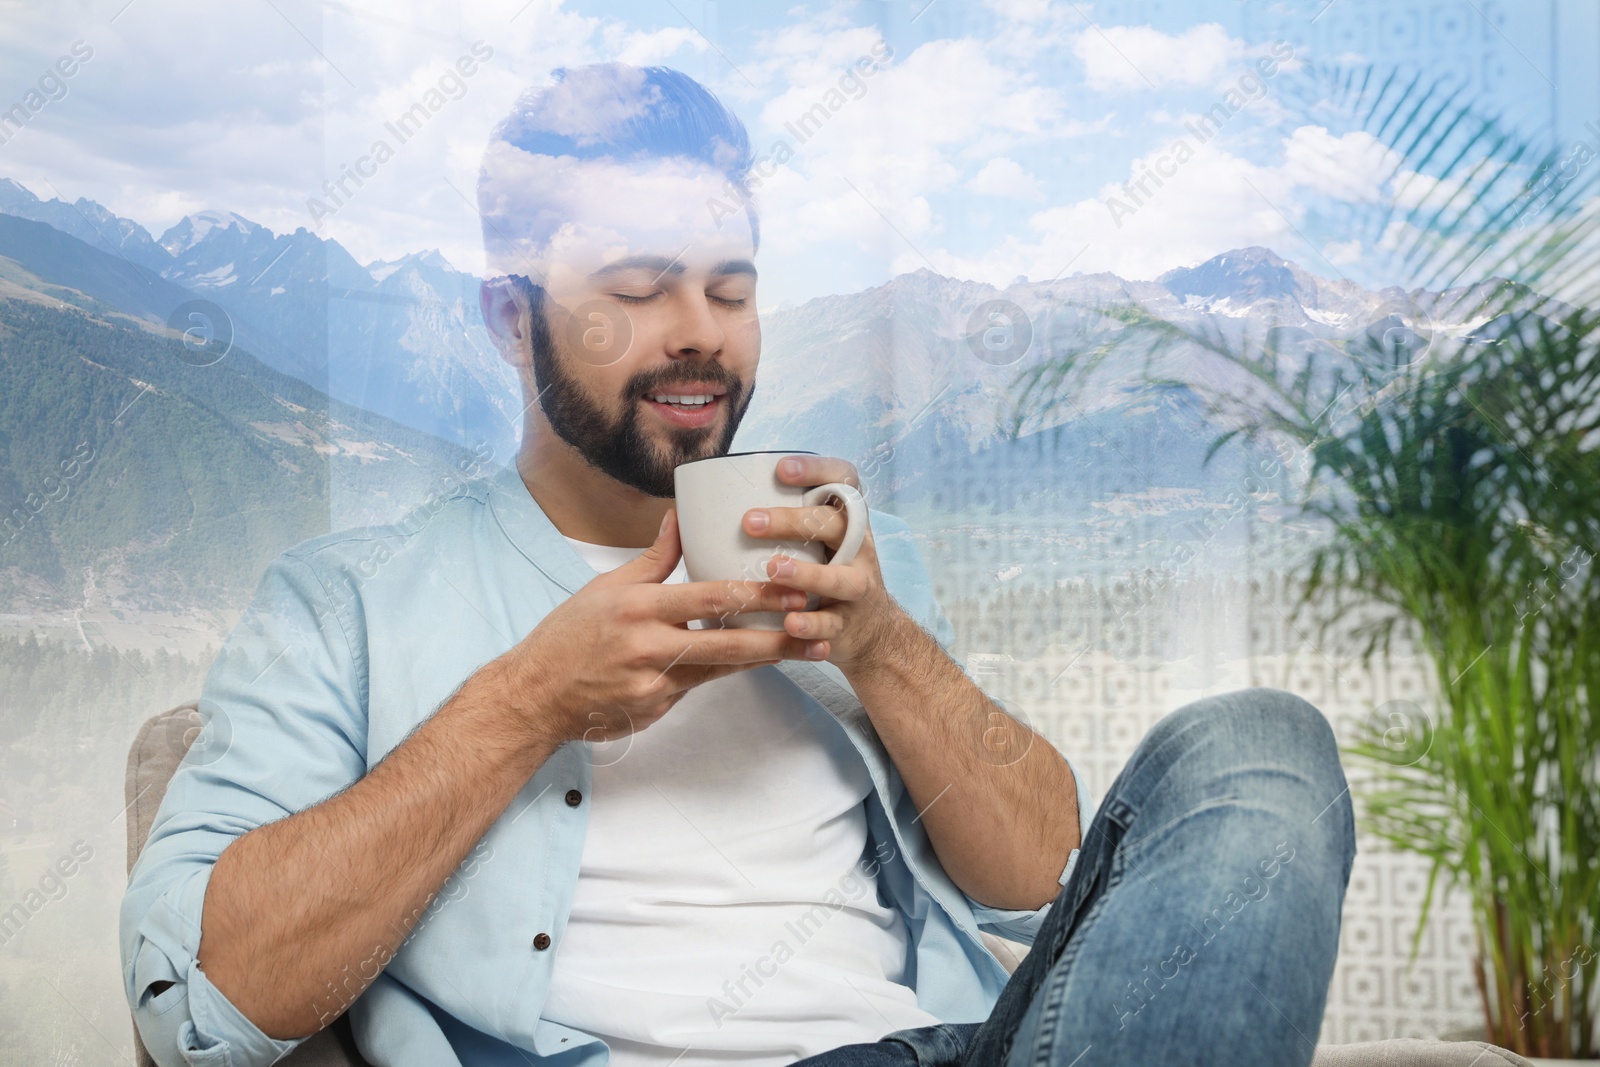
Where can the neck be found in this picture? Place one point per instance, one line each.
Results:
(582, 502)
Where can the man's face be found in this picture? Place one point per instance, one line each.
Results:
(651, 339)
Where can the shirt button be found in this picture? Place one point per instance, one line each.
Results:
(574, 798)
(541, 942)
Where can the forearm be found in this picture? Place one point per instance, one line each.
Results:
(301, 914)
(999, 802)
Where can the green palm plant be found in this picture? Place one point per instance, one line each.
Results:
(1452, 453)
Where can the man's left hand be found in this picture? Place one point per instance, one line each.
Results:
(855, 613)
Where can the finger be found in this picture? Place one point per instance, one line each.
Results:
(824, 523)
(732, 646)
(654, 564)
(819, 625)
(822, 579)
(718, 600)
(817, 470)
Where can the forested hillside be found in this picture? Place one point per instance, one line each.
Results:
(134, 477)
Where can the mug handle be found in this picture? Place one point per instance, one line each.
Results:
(855, 512)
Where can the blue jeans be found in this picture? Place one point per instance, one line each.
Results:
(1201, 923)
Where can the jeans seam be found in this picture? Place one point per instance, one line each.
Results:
(1044, 1044)
(1056, 974)
(1069, 951)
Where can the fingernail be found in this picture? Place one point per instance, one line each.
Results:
(759, 520)
(664, 519)
(784, 569)
(794, 601)
(815, 650)
(792, 467)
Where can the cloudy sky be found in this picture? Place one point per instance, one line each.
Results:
(994, 141)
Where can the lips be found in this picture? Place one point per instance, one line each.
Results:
(686, 405)
(687, 389)
(688, 400)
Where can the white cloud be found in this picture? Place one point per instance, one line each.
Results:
(805, 53)
(1122, 58)
(1206, 203)
(906, 136)
(1214, 202)
(1344, 253)
(918, 101)
(1005, 177)
(1412, 189)
(1020, 10)
(1353, 167)
(646, 49)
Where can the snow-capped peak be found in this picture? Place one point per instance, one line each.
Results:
(192, 229)
(430, 258)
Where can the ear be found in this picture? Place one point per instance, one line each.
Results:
(505, 314)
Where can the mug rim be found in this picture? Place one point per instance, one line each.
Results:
(757, 452)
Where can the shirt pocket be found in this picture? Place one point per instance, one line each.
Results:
(150, 967)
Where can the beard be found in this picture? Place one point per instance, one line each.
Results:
(619, 447)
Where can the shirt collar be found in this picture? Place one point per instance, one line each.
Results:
(530, 530)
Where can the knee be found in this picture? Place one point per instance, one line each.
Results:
(1283, 743)
(1266, 722)
(1285, 718)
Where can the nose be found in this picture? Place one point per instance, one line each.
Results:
(694, 332)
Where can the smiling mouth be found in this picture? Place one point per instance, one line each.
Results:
(687, 401)
(686, 407)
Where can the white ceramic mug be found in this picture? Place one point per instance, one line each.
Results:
(712, 497)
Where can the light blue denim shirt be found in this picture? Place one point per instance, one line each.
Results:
(355, 638)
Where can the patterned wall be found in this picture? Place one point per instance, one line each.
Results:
(1095, 706)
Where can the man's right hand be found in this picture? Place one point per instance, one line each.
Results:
(618, 654)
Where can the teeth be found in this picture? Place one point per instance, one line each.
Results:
(682, 401)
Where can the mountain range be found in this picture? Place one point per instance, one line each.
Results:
(377, 378)
(407, 333)
(145, 481)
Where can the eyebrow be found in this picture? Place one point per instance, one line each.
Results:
(659, 264)
(734, 266)
(663, 265)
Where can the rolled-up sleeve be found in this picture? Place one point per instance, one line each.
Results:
(283, 713)
(906, 577)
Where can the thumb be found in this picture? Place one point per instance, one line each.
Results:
(656, 563)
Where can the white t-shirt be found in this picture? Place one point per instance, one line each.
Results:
(721, 841)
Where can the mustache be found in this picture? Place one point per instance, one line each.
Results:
(654, 381)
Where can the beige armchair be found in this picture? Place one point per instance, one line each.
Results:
(154, 756)
(164, 738)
